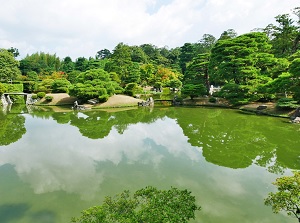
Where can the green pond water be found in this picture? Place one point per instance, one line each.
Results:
(55, 164)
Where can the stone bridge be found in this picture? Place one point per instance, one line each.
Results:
(5, 98)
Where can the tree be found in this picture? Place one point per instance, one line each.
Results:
(103, 54)
(132, 89)
(41, 63)
(228, 34)
(95, 83)
(8, 66)
(138, 55)
(147, 71)
(206, 43)
(119, 61)
(285, 37)
(67, 65)
(134, 74)
(197, 71)
(14, 51)
(60, 86)
(288, 196)
(146, 205)
(194, 90)
(295, 73)
(295, 68)
(281, 84)
(164, 76)
(240, 62)
(152, 52)
(186, 56)
(81, 64)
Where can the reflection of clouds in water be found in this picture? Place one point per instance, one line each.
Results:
(131, 144)
(223, 182)
(59, 158)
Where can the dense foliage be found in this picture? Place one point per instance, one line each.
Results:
(8, 66)
(146, 205)
(288, 196)
(261, 65)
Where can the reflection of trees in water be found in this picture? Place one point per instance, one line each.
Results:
(12, 125)
(238, 140)
(227, 137)
(97, 124)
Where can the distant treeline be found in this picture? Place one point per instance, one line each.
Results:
(263, 64)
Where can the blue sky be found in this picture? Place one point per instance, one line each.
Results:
(81, 28)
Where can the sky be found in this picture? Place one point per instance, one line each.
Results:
(79, 28)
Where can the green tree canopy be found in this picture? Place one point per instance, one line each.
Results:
(103, 54)
(8, 66)
(67, 65)
(146, 205)
(197, 71)
(94, 83)
(244, 63)
(194, 90)
(295, 73)
(285, 36)
(81, 64)
(41, 63)
(287, 198)
(14, 51)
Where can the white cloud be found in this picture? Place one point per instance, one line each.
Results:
(81, 28)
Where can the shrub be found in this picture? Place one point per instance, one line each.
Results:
(29, 86)
(3, 88)
(14, 87)
(119, 90)
(60, 86)
(212, 100)
(287, 103)
(193, 90)
(132, 88)
(48, 98)
(34, 96)
(41, 94)
(103, 98)
(45, 85)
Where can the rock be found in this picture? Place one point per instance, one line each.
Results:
(92, 101)
(261, 107)
(149, 102)
(296, 120)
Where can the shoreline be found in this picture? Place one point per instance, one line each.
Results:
(124, 101)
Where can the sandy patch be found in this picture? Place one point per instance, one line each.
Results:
(58, 99)
(114, 101)
(119, 101)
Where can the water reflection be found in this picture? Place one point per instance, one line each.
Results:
(52, 157)
(11, 124)
(236, 140)
(66, 155)
(11, 212)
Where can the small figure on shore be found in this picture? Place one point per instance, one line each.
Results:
(75, 104)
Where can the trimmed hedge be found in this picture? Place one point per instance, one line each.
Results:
(41, 94)
(13, 87)
(48, 98)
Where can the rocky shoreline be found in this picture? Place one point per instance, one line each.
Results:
(118, 101)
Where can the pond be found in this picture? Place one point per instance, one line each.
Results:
(55, 164)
